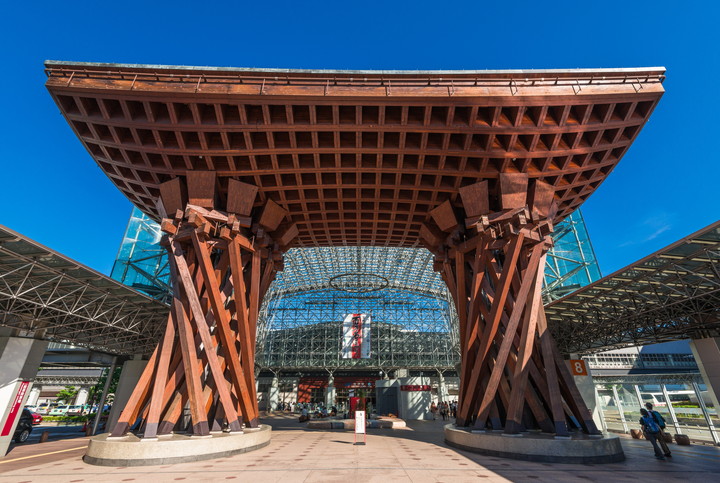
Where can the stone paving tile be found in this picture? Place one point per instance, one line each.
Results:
(417, 454)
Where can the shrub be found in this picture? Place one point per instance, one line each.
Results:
(69, 419)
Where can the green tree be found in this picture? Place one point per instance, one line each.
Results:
(67, 395)
(96, 390)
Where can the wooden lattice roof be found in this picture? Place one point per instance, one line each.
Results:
(356, 157)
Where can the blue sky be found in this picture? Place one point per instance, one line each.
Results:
(665, 187)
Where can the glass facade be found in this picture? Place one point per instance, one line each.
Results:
(571, 263)
(141, 262)
(413, 317)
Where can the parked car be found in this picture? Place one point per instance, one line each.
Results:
(43, 409)
(24, 427)
(77, 410)
(37, 418)
(58, 411)
(31, 408)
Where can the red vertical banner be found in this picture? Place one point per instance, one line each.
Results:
(16, 408)
(357, 336)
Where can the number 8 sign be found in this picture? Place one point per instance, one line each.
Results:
(578, 367)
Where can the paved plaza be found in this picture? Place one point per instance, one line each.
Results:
(417, 453)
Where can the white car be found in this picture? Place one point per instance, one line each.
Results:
(58, 411)
(77, 410)
(43, 409)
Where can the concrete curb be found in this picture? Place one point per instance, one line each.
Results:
(538, 447)
(132, 451)
(349, 424)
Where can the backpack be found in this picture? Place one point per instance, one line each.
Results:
(650, 425)
(658, 418)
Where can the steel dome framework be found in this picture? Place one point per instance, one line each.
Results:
(413, 320)
(415, 325)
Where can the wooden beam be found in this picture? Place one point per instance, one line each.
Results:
(173, 195)
(475, 199)
(433, 237)
(286, 235)
(201, 188)
(161, 376)
(272, 215)
(540, 198)
(240, 197)
(444, 216)
(209, 347)
(189, 358)
(510, 330)
(512, 190)
(513, 421)
(137, 398)
(245, 335)
(573, 396)
(222, 319)
(554, 395)
(492, 324)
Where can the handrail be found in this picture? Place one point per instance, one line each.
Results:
(451, 80)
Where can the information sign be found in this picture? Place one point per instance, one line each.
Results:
(415, 387)
(360, 426)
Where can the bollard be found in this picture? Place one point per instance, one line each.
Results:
(44, 436)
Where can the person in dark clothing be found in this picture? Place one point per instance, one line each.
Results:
(651, 430)
(660, 422)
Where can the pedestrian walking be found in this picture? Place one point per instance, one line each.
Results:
(661, 423)
(651, 430)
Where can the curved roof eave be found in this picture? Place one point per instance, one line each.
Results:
(585, 71)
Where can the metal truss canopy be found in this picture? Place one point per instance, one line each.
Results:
(672, 294)
(45, 294)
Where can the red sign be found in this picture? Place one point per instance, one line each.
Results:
(578, 367)
(356, 347)
(16, 407)
(415, 388)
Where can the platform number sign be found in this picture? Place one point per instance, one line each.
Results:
(578, 367)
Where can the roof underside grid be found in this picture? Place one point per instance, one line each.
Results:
(355, 160)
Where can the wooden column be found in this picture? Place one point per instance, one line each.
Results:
(512, 377)
(221, 263)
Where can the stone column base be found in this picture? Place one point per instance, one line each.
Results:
(535, 446)
(130, 450)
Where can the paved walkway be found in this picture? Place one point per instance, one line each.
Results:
(415, 454)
